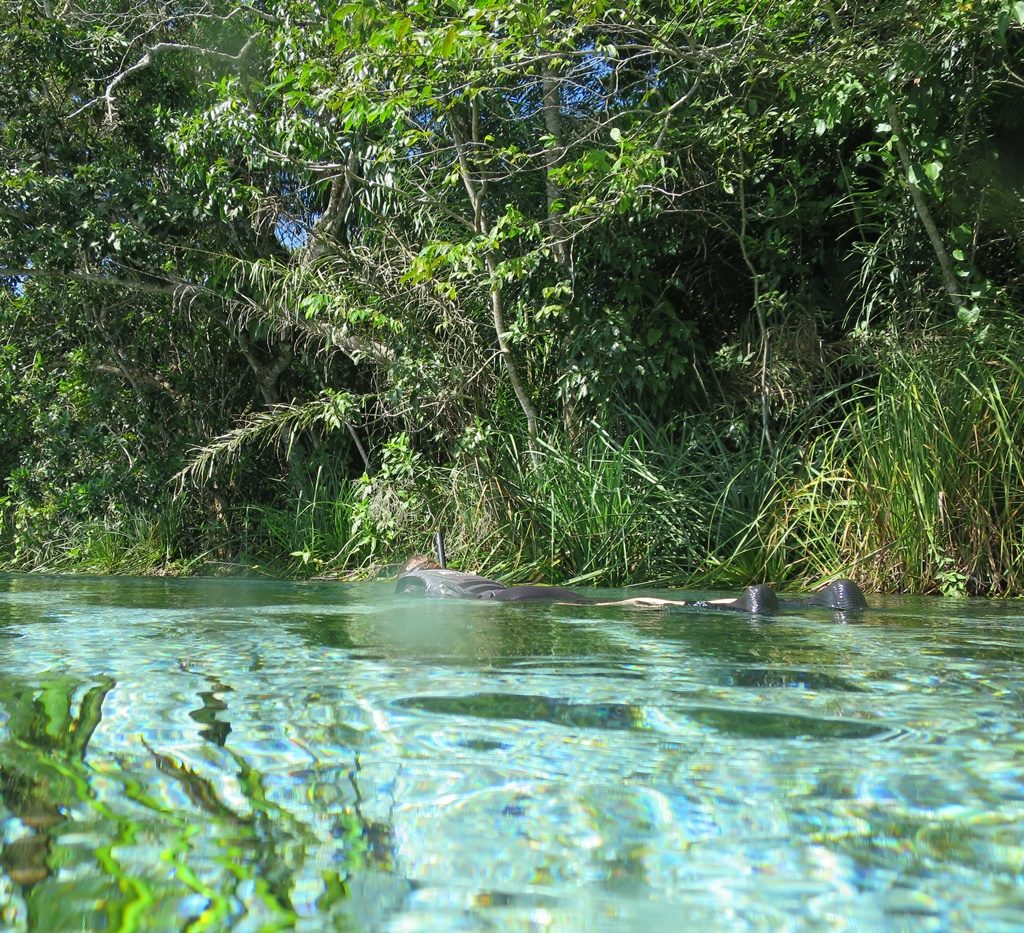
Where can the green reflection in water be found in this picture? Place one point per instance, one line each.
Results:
(48, 789)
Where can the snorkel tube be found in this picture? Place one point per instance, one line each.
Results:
(439, 547)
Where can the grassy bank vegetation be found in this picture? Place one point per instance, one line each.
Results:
(912, 480)
(622, 293)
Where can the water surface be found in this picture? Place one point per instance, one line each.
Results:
(249, 755)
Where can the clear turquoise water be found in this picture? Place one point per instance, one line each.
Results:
(227, 754)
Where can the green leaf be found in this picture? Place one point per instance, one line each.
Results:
(969, 316)
(958, 255)
(932, 169)
(962, 234)
(449, 41)
(1018, 11)
(616, 134)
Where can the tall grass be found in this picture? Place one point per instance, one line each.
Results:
(656, 507)
(133, 541)
(315, 533)
(921, 487)
(612, 513)
(668, 506)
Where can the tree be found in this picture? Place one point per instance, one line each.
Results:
(335, 226)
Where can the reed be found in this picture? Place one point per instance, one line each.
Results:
(920, 488)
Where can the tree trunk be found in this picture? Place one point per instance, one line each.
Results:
(268, 377)
(924, 213)
(476, 192)
(762, 323)
(554, 158)
(498, 316)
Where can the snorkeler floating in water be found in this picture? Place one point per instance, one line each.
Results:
(422, 576)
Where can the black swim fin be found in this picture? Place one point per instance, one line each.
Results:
(758, 600)
(839, 596)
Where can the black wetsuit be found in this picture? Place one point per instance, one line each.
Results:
(455, 584)
(839, 596)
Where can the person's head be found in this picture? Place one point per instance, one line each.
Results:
(418, 562)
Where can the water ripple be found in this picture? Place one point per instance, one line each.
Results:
(250, 754)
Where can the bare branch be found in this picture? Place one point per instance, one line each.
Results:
(147, 59)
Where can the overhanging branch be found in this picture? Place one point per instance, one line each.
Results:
(111, 281)
(147, 59)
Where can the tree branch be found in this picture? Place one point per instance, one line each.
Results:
(924, 212)
(149, 288)
(147, 60)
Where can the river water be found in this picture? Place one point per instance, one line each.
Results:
(248, 755)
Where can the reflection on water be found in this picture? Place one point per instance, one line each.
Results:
(225, 754)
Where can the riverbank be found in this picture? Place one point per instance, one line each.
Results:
(911, 481)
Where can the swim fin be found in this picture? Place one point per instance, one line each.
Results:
(758, 600)
(839, 596)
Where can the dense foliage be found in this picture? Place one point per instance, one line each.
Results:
(636, 291)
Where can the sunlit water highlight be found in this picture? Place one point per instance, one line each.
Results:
(246, 755)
